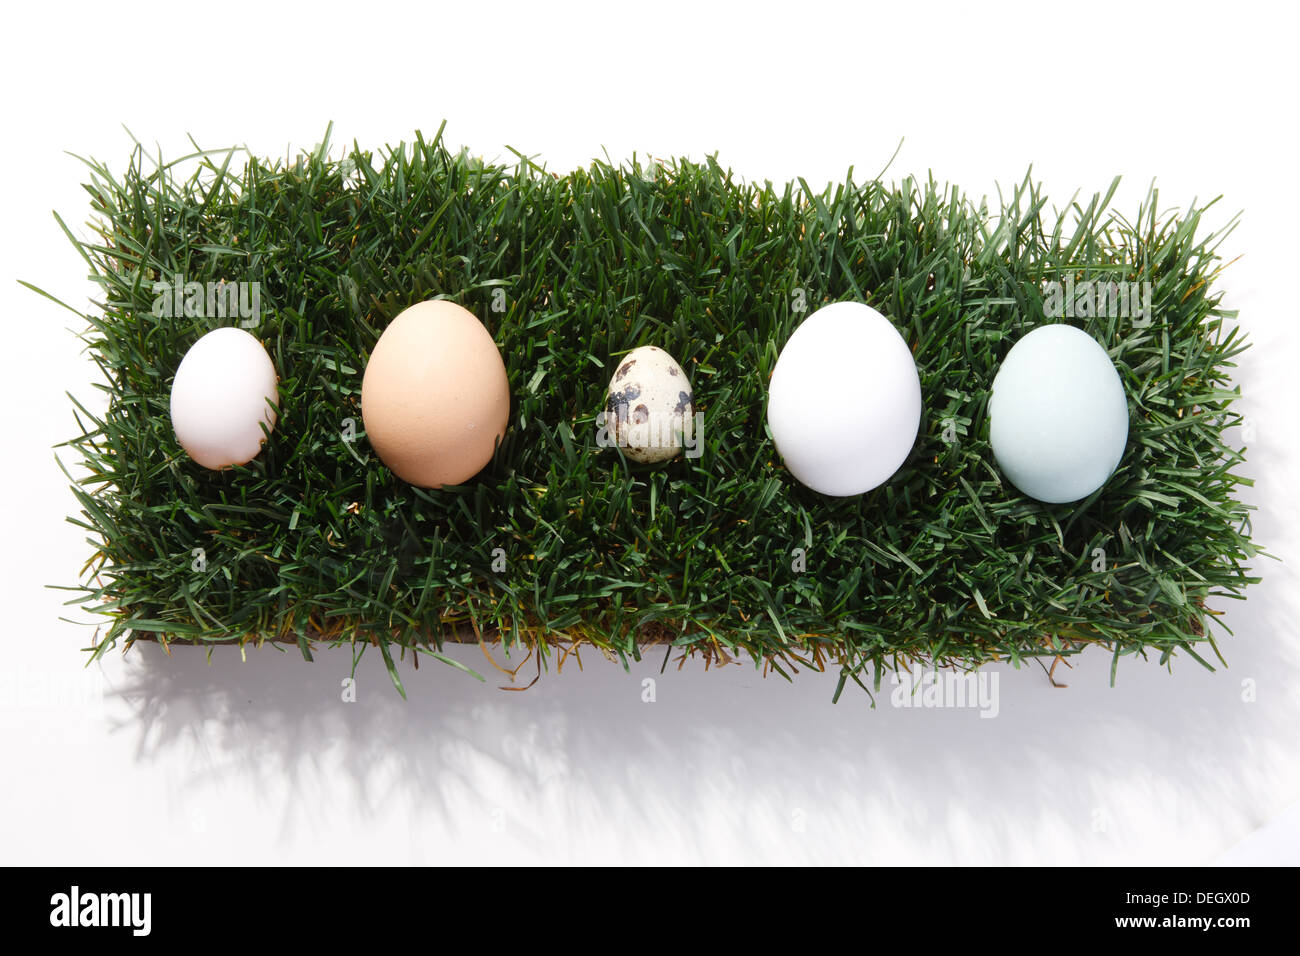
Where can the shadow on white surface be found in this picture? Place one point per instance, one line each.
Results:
(1277, 843)
(725, 765)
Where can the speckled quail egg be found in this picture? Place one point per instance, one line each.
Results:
(649, 410)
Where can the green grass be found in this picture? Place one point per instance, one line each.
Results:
(316, 541)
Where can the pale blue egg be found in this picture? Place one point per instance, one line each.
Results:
(1058, 416)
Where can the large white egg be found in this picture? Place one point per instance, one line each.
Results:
(1058, 417)
(844, 403)
(219, 398)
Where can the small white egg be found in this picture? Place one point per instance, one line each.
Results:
(219, 398)
(844, 403)
(649, 408)
(1058, 417)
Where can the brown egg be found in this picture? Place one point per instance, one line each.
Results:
(434, 398)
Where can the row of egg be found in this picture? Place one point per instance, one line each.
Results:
(844, 402)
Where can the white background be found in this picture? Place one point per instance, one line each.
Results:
(151, 759)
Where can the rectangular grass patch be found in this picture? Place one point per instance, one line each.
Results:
(560, 543)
